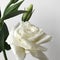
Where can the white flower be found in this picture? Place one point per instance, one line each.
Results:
(27, 37)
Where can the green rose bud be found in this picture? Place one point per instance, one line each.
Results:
(26, 16)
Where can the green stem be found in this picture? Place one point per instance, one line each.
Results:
(5, 56)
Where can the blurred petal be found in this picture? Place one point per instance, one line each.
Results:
(38, 54)
(38, 47)
(41, 48)
(46, 39)
(19, 52)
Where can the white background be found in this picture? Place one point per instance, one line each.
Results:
(46, 16)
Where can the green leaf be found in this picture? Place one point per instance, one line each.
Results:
(9, 4)
(15, 13)
(1, 24)
(26, 16)
(13, 1)
(6, 32)
(0, 49)
(3, 36)
(0, 13)
(11, 9)
(1, 41)
(7, 47)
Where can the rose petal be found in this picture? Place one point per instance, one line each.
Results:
(46, 39)
(38, 37)
(19, 52)
(38, 54)
(41, 48)
(26, 36)
(10, 38)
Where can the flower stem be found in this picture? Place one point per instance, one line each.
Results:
(5, 56)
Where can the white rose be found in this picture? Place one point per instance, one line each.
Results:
(27, 37)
